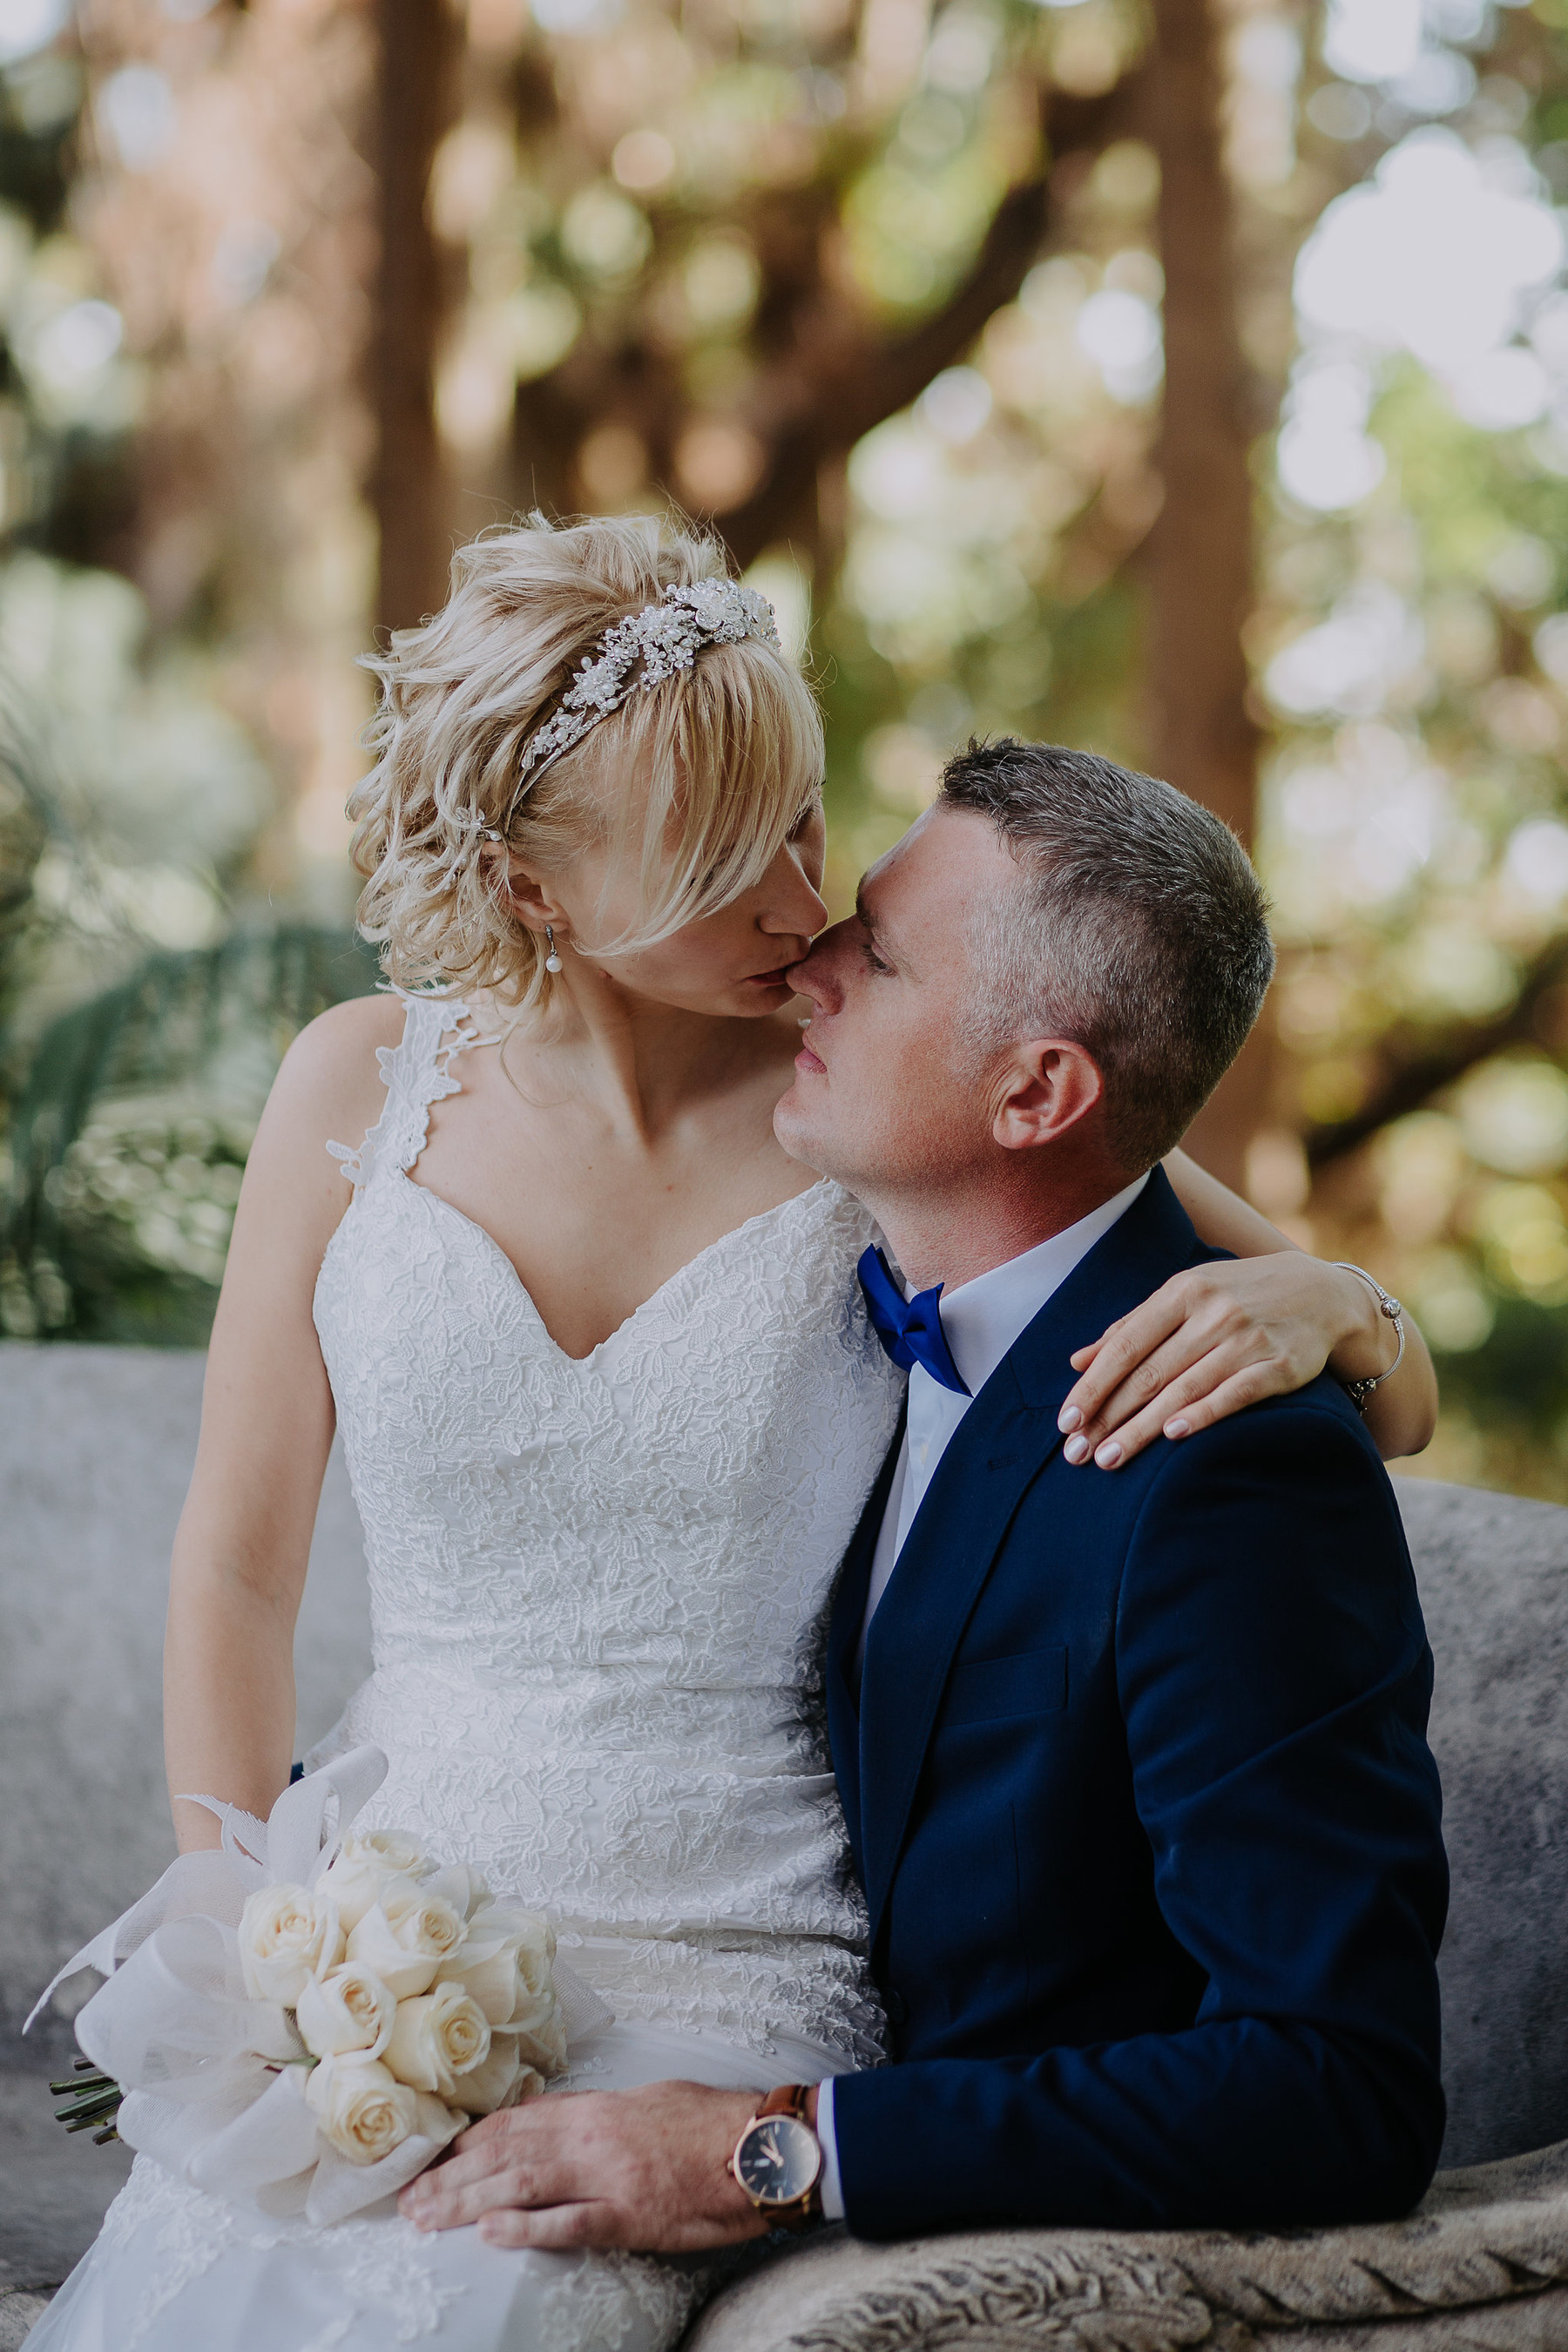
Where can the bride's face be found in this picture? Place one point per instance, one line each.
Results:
(731, 962)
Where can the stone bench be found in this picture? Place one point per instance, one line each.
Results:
(93, 1465)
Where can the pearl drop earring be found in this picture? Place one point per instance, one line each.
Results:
(552, 961)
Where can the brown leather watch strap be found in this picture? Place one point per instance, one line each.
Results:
(789, 2099)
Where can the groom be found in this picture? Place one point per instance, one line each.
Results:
(1134, 1768)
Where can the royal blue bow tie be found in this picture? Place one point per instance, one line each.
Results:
(909, 1329)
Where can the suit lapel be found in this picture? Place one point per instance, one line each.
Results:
(996, 1451)
(843, 1639)
(1003, 1442)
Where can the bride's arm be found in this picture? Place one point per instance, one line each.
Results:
(1222, 1336)
(244, 1538)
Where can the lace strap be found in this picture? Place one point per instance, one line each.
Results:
(416, 1072)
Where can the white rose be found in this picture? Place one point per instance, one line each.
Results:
(356, 1887)
(534, 2012)
(347, 2010)
(285, 1937)
(536, 1954)
(463, 1888)
(398, 1849)
(501, 2080)
(506, 1963)
(436, 2038)
(366, 1863)
(405, 1935)
(361, 2109)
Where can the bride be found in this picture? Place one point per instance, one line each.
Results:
(608, 1397)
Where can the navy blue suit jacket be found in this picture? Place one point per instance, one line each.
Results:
(1138, 1786)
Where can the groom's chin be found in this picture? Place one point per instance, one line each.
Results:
(793, 1126)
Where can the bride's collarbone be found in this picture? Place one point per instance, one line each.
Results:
(595, 1225)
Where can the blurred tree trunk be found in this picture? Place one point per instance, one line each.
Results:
(824, 374)
(1199, 559)
(416, 73)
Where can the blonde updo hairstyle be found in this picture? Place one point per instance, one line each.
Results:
(732, 748)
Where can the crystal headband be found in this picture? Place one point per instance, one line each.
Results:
(642, 651)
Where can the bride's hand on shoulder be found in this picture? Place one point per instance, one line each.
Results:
(1223, 1335)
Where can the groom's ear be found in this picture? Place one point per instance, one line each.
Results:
(1043, 1088)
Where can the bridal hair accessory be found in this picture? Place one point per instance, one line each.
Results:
(552, 961)
(642, 651)
(662, 638)
(305, 2017)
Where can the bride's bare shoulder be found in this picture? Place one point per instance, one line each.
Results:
(329, 1087)
(347, 1035)
(329, 1090)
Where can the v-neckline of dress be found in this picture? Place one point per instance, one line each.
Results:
(820, 1189)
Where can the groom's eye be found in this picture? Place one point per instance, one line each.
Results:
(874, 963)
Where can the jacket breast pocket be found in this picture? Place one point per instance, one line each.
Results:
(989, 1690)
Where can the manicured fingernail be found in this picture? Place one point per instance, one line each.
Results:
(1110, 1455)
(1069, 1417)
(1077, 1449)
(1178, 1428)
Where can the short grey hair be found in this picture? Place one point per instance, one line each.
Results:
(1138, 930)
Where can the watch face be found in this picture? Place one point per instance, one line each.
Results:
(778, 2161)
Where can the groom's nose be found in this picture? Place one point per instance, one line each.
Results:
(818, 975)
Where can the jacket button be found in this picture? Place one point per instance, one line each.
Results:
(898, 2009)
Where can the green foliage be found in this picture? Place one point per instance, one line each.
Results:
(130, 1130)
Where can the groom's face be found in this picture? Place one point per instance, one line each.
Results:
(886, 1089)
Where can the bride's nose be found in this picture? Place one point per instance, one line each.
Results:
(792, 906)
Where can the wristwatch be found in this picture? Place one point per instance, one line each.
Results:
(778, 2161)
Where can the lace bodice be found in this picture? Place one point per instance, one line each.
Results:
(599, 1587)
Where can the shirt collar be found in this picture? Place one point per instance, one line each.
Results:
(982, 1318)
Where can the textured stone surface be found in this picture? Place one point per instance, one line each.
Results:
(1493, 1572)
(1482, 2263)
(17, 2313)
(54, 2184)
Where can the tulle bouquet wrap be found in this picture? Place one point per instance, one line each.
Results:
(303, 2019)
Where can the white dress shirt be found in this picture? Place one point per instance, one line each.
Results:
(981, 1322)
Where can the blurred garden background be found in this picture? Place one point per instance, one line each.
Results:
(1185, 378)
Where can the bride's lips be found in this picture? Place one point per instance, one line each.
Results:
(778, 978)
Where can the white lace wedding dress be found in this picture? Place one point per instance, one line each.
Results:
(599, 1591)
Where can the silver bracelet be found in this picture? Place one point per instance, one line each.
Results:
(1361, 1392)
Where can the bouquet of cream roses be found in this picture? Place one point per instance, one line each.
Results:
(306, 2020)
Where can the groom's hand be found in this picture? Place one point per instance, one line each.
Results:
(643, 2169)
